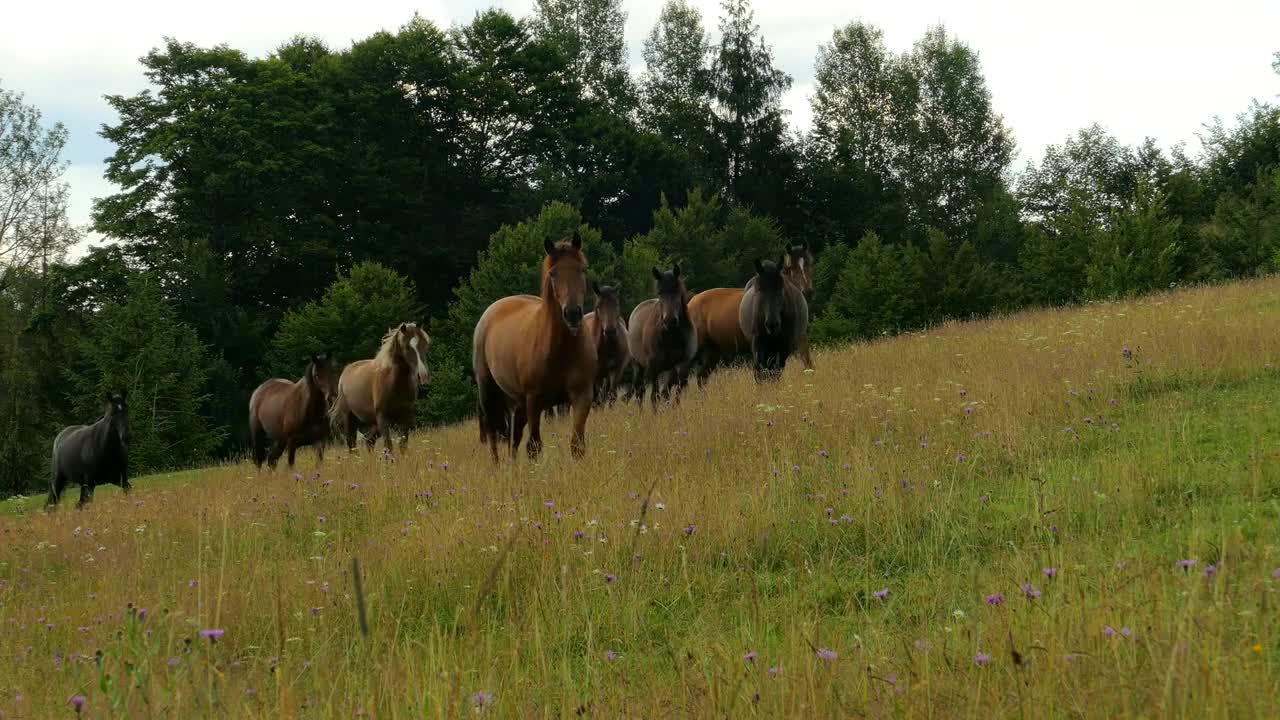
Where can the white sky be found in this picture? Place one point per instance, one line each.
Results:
(1140, 68)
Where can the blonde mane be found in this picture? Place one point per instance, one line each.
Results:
(386, 356)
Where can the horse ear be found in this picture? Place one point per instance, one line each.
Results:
(657, 274)
(577, 240)
(595, 287)
(759, 266)
(404, 328)
(675, 269)
(549, 246)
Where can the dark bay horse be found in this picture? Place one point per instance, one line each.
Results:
(288, 415)
(797, 268)
(609, 332)
(714, 314)
(774, 317)
(381, 393)
(528, 353)
(662, 336)
(92, 455)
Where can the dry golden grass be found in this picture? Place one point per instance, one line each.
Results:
(945, 467)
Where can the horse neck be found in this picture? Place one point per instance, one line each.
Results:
(105, 431)
(549, 309)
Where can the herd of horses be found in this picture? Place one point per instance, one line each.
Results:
(530, 354)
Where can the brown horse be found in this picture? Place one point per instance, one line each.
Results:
(528, 353)
(774, 316)
(714, 314)
(663, 339)
(797, 268)
(381, 393)
(609, 332)
(289, 415)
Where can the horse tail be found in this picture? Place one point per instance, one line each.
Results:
(338, 411)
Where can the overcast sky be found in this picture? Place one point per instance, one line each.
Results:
(1158, 69)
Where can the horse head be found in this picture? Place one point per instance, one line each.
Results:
(608, 310)
(797, 266)
(673, 297)
(564, 279)
(322, 372)
(771, 288)
(117, 415)
(414, 343)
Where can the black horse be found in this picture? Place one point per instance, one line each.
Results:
(93, 455)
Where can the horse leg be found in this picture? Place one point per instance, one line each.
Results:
(533, 411)
(581, 404)
(320, 446)
(651, 382)
(259, 440)
(349, 430)
(292, 447)
(55, 490)
(518, 421)
(710, 358)
(404, 439)
(803, 349)
(86, 493)
(124, 480)
(273, 458)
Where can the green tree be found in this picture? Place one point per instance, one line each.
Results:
(747, 91)
(348, 320)
(881, 289)
(591, 33)
(676, 83)
(1243, 236)
(34, 230)
(1137, 253)
(1053, 260)
(962, 285)
(140, 346)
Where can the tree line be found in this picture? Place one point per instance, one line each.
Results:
(277, 206)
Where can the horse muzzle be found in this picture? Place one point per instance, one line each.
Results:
(573, 319)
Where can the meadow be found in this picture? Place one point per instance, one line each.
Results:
(1064, 513)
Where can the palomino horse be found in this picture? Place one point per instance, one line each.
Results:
(774, 316)
(714, 314)
(289, 415)
(797, 268)
(92, 455)
(528, 353)
(609, 333)
(663, 339)
(380, 393)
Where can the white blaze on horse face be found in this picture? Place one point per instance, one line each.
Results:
(419, 349)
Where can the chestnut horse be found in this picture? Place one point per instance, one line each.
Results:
(714, 314)
(663, 339)
(381, 393)
(92, 455)
(797, 268)
(774, 317)
(527, 353)
(289, 415)
(609, 332)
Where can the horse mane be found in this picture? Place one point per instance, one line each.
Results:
(386, 356)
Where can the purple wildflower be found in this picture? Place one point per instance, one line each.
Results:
(690, 529)
(963, 392)
(174, 662)
(77, 703)
(1050, 572)
(1030, 591)
(578, 534)
(775, 671)
(795, 468)
(1275, 574)
(481, 698)
(1186, 564)
(1210, 570)
(984, 499)
(1109, 631)
(981, 658)
(1127, 632)
(750, 657)
(995, 600)
(212, 635)
(823, 454)
(611, 656)
(881, 594)
(610, 577)
(548, 504)
(192, 583)
(826, 655)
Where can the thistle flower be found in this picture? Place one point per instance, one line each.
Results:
(1186, 564)
(881, 594)
(1050, 572)
(981, 659)
(77, 703)
(212, 635)
(995, 600)
(826, 655)
(1030, 591)
(611, 656)
(750, 657)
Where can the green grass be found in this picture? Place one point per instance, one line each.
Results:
(24, 504)
(956, 465)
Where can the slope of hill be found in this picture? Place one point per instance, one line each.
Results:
(1061, 513)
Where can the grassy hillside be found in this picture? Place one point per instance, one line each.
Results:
(984, 519)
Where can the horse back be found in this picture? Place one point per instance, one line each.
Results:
(714, 314)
